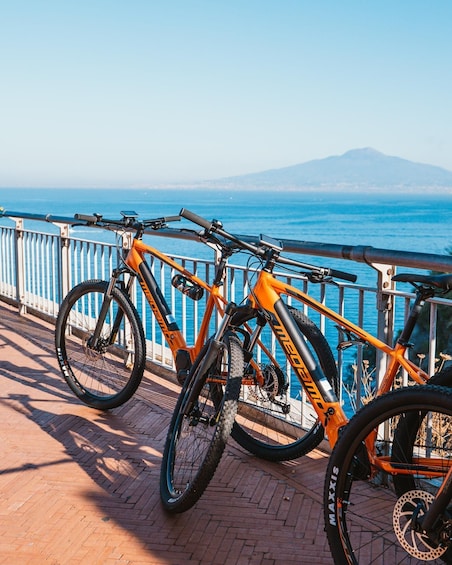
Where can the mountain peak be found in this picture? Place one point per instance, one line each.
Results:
(358, 169)
(364, 152)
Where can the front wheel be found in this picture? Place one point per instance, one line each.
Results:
(406, 432)
(274, 419)
(197, 435)
(106, 374)
(366, 521)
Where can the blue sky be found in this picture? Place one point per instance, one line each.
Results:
(141, 92)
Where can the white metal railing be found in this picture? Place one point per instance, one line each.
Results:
(38, 268)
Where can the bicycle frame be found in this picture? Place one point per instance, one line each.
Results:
(266, 295)
(138, 267)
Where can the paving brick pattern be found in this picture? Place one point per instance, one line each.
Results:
(82, 486)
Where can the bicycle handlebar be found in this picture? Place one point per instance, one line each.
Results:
(350, 277)
(89, 219)
(126, 221)
(192, 217)
(316, 274)
(323, 271)
(217, 227)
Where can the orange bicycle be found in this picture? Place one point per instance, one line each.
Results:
(99, 337)
(293, 332)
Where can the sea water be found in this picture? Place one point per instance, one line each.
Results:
(407, 222)
(401, 222)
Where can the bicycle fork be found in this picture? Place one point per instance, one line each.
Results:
(95, 342)
(214, 349)
(435, 522)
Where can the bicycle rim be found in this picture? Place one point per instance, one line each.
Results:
(366, 521)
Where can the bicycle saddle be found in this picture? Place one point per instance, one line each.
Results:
(435, 281)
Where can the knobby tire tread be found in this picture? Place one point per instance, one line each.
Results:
(180, 502)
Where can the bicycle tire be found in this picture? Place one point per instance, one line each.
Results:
(108, 377)
(365, 520)
(262, 427)
(406, 432)
(195, 442)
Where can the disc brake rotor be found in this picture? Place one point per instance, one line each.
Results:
(414, 503)
(270, 381)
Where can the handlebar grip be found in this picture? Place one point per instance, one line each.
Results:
(168, 219)
(195, 219)
(342, 275)
(89, 218)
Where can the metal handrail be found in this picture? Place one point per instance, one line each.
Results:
(358, 253)
(37, 270)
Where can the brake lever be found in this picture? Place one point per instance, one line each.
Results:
(316, 277)
(158, 224)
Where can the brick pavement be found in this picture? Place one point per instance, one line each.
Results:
(82, 486)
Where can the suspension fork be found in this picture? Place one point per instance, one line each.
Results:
(93, 341)
(214, 349)
(437, 508)
(261, 322)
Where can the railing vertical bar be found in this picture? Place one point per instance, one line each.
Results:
(195, 307)
(432, 338)
(341, 310)
(359, 352)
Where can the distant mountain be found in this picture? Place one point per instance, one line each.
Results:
(358, 169)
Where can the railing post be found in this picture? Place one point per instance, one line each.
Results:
(385, 313)
(20, 265)
(64, 274)
(217, 259)
(432, 339)
(127, 241)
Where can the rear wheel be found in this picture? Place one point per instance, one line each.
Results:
(106, 374)
(198, 435)
(274, 421)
